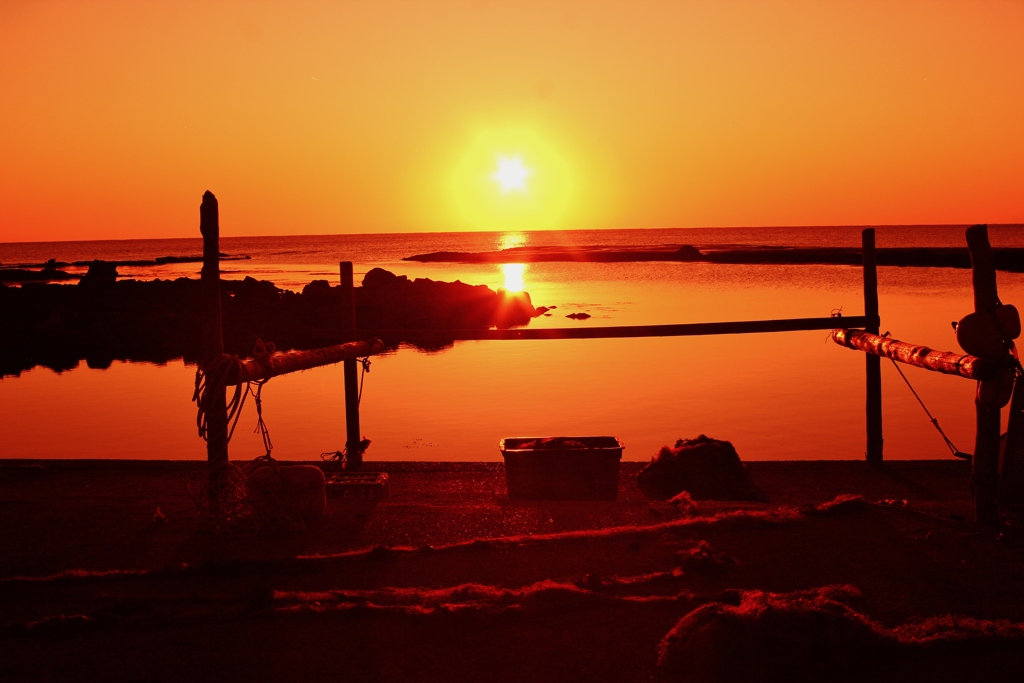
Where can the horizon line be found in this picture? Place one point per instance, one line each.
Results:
(535, 230)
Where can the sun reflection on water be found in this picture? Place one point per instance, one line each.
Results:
(514, 273)
(510, 240)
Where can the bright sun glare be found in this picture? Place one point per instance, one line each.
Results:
(511, 174)
(513, 276)
(510, 180)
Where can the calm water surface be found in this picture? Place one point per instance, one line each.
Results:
(775, 396)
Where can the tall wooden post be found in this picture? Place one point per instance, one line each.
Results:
(985, 465)
(213, 336)
(873, 363)
(348, 328)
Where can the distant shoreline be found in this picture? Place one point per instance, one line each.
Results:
(1007, 259)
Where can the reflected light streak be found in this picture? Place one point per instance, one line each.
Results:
(511, 240)
(513, 276)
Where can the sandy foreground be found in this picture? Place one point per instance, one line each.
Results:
(847, 572)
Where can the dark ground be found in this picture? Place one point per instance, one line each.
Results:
(449, 580)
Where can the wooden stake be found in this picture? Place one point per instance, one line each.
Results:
(872, 362)
(348, 328)
(985, 465)
(213, 336)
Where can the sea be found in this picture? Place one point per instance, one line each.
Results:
(775, 396)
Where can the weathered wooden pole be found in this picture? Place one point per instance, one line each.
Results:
(213, 336)
(285, 362)
(348, 328)
(872, 362)
(985, 465)
(947, 362)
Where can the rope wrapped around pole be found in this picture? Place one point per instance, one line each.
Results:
(282, 363)
(971, 367)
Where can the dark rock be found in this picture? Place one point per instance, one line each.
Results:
(708, 469)
(688, 253)
(25, 275)
(100, 273)
(105, 320)
(578, 316)
(317, 288)
(389, 301)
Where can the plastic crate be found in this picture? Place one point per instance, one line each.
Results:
(562, 467)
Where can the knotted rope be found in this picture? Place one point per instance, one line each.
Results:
(231, 511)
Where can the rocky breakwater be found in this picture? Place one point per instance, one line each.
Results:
(101, 320)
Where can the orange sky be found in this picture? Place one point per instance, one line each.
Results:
(327, 117)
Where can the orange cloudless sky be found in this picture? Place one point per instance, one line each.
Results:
(311, 117)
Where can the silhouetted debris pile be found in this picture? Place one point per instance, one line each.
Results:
(814, 635)
(101, 320)
(708, 469)
(802, 636)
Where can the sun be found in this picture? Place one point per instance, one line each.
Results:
(510, 180)
(511, 174)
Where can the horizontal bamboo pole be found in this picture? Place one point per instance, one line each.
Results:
(282, 363)
(681, 330)
(971, 367)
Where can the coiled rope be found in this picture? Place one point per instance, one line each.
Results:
(226, 507)
(211, 381)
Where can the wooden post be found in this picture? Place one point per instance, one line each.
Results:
(872, 362)
(985, 465)
(348, 328)
(213, 336)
